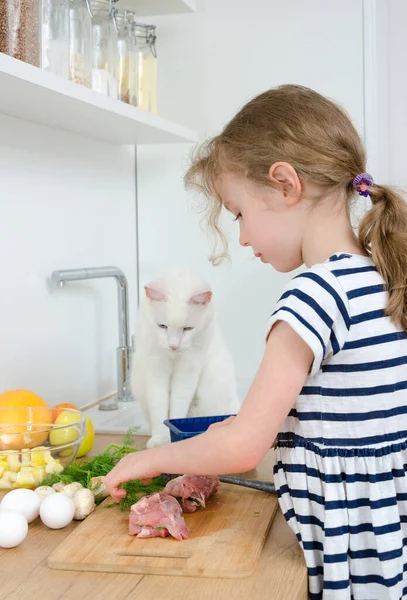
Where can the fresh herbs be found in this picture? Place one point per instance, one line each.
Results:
(101, 465)
(136, 489)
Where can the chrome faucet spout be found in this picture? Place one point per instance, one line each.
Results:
(124, 349)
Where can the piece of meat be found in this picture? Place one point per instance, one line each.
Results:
(194, 490)
(157, 515)
(145, 531)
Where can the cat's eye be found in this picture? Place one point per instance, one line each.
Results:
(161, 326)
(188, 328)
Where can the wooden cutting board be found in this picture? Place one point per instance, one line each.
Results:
(226, 539)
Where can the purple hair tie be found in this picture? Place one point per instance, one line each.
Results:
(361, 181)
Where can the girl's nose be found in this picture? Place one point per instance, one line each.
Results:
(242, 239)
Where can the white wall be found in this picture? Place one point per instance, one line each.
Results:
(66, 202)
(397, 93)
(210, 64)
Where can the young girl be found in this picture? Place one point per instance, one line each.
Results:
(333, 380)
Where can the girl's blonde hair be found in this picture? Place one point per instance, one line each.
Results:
(297, 125)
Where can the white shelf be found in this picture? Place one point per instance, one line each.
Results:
(150, 8)
(31, 94)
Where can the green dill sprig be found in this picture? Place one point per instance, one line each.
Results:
(101, 465)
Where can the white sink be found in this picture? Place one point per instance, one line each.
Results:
(127, 416)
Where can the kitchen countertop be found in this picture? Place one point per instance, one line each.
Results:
(129, 414)
(280, 573)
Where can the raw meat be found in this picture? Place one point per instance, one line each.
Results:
(157, 515)
(194, 490)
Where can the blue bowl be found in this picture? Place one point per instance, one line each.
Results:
(182, 429)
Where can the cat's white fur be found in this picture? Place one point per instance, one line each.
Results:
(181, 366)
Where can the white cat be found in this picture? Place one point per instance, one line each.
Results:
(181, 366)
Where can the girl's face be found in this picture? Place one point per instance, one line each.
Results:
(270, 221)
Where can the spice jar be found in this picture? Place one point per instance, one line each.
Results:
(124, 22)
(146, 66)
(55, 37)
(80, 42)
(104, 47)
(20, 30)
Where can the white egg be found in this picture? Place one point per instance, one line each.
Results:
(23, 501)
(13, 528)
(57, 511)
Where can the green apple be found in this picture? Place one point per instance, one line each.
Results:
(65, 435)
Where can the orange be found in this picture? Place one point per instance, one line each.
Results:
(59, 408)
(20, 398)
(23, 417)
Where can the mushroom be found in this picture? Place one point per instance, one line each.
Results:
(98, 488)
(84, 501)
(71, 489)
(58, 487)
(44, 490)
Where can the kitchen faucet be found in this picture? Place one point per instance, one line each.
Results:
(124, 350)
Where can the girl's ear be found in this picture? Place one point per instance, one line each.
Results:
(203, 298)
(287, 177)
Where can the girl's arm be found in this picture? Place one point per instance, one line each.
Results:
(241, 444)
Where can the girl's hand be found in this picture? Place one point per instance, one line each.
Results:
(137, 465)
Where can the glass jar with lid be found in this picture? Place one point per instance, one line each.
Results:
(80, 46)
(124, 22)
(20, 30)
(133, 75)
(104, 47)
(55, 37)
(145, 36)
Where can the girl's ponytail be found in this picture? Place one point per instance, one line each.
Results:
(383, 235)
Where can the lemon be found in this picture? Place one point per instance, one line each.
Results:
(65, 435)
(89, 439)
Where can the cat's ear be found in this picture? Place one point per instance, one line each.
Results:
(154, 294)
(203, 298)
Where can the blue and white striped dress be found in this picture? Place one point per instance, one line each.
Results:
(342, 451)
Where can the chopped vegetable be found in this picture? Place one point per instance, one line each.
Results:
(25, 478)
(39, 474)
(26, 468)
(53, 466)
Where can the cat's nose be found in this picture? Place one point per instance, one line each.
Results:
(172, 347)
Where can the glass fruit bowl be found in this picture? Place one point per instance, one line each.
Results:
(36, 441)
